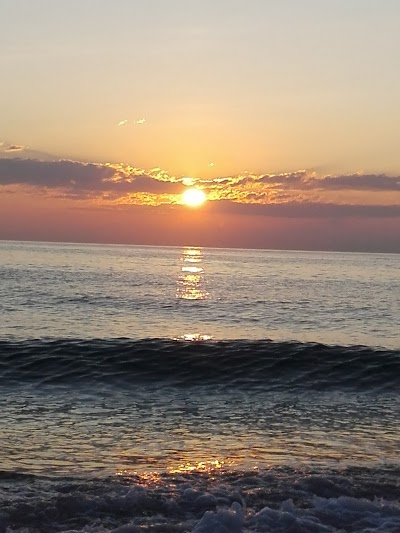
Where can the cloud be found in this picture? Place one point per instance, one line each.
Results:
(54, 174)
(138, 122)
(155, 186)
(303, 181)
(7, 147)
(289, 179)
(297, 194)
(14, 148)
(80, 178)
(306, 209)
(369, 182)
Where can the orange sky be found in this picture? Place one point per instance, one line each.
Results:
(285, 113)
(72, 201)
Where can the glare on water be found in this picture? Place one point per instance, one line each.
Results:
(191, 282)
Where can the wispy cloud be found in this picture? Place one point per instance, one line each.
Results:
(15, 148)
(7, 147)
(12, 150)
(138, 122)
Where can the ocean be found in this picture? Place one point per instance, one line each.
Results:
(169, 389)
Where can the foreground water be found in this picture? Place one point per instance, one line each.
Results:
(166, 389)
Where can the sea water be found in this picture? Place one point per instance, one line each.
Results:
(195, 389)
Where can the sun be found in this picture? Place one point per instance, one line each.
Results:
(194, 197)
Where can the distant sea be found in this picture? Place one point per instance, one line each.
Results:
(201, 390)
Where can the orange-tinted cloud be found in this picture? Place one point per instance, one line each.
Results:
(126, 185)
(91, 202)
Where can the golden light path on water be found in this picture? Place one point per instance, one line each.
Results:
(212, 466)
(191, 285)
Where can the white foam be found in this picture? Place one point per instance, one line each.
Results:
(207, 505)
(223, 521)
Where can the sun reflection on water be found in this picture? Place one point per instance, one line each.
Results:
(191, 284)
(148, 478)
(202, 466)
(143, 478)
(193, 337)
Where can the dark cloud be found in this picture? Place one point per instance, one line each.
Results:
(368, 182)
(356, 182)
(79, 178)
(293, 179)
(51, 174)
(152, 185)
(306, 209)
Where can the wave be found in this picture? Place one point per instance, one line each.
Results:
(265, 364)
(276, 500)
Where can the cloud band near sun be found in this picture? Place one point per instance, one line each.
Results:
(287, 194)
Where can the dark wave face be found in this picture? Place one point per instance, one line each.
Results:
(262, 364)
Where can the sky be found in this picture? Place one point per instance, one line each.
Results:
(285, 113)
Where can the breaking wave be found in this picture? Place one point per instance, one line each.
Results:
(278, 500)
(264, 364)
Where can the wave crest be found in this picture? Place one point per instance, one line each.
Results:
(265, 364)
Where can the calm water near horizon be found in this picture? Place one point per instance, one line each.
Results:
(195, 389)
(99, 291)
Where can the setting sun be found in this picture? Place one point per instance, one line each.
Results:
(194, 197)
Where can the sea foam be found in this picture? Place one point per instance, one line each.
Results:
(273, 501)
